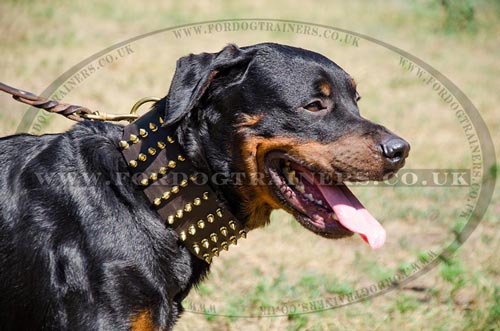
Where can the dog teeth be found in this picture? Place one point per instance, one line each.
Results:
(309, 197)
(300, 188)
(290, 176)
(334, 217)
(319, 202)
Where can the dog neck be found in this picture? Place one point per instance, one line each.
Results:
(181, 195)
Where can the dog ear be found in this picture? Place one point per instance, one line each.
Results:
(194, 74)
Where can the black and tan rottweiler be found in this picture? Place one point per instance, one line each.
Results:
(98, 257)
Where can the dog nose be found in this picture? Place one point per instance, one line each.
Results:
(395, 151)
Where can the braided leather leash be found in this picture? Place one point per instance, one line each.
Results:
(72, 112)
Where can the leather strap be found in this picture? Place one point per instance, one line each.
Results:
(180, 194)
(72, 112)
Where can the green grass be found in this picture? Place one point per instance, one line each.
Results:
(406, 303)
(299, 322)
(337, 287)
(452, 271)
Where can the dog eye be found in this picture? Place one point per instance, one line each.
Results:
(315, 106)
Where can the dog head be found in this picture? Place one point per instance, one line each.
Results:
(280, 128)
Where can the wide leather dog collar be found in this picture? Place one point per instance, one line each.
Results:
(161, 171)
(181, 195)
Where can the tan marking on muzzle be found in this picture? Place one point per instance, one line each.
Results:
(351, 153)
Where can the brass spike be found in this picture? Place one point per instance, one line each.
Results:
(232, 225)
(205, 195)
(188, 207)
(210, 218)
(215, 251)
(170, 139)
(175, 189)
(201, 224)
(134, 139)
(170, 219)
(223, 230)
(243, 233)
(183, 236)
(162, 171)
(123, 144)
(153, 127)
(153, 176)
(214, 237)
(219, 212)
(179, 213)
(166, 195)
(171, 164)
(233, 240)
(197, 201)
(161, 145)
(143, 133)
(142, 157)
(181, 158)
(132, 163)
(193, 178)
(184, 183)
(224, 245)
(205, 243)
(144, 182)
(196, 249)
(160, 120)
(207, 258)
(157, 201)
(151, 151)
(192, 230)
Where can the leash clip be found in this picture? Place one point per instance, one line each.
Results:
(132, 116)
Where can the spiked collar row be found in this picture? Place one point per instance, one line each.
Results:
(160, 170)
(174, 188)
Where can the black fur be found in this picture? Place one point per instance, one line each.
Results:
(80, 256)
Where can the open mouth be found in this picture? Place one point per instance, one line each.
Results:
(328, 209)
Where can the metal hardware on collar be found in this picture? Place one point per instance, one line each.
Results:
(156, 162)
(101, 116)
(132, 116)
(171, 184)
(135, 107)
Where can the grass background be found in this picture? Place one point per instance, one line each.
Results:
(284, 263)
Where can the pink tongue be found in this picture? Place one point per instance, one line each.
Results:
(351, 213)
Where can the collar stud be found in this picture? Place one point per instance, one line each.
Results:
(143, 133)
(213, 237)
(152, 152)
(134, 139)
